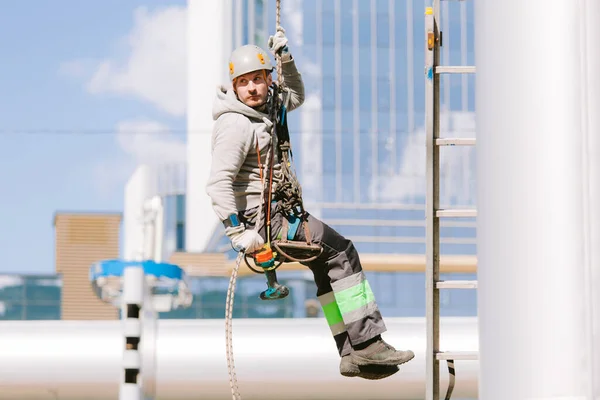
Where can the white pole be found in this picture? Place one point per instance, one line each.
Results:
(532, 246)
(209, 44)
(592, 31)
(133, 302)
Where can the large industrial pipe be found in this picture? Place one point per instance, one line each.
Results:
(275, 359)
(536, 229)
(591, 16)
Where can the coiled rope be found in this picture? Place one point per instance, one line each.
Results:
(233, 383)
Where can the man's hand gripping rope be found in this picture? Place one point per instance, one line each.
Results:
(244, 240)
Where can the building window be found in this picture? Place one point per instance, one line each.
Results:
(180, 236)
(180, 208)
(180, 222)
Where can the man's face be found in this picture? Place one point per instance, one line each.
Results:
(252, 88)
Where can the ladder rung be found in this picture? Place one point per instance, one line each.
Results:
(456, 284)
(455, 142)
(457, 355)
(456, 213)
(455, 69)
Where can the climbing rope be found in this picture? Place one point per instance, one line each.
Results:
(235, 391)
(278, 57)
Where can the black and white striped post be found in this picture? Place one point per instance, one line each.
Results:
(134, 294)
(130, 286)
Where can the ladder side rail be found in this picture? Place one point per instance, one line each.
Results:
(432, 96)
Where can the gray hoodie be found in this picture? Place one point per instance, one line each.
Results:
(234, 183)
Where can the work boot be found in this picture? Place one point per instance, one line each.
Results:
(378, 352)
(371, 372)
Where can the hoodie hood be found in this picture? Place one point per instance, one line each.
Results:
(226, 101)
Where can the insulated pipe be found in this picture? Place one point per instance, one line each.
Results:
(274, 359)
(591, 26)
(533, 205)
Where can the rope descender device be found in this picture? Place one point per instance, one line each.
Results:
(265, 259)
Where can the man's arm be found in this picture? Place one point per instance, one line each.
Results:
(293, 80)
(231, 142)
(291, 77)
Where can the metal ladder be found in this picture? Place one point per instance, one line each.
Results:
(433, 212)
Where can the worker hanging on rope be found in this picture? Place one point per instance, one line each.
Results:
(246, 159)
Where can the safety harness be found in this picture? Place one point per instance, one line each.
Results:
(285, 195)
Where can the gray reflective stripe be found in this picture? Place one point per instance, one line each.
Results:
(326, 298)
(338, 328)
(332, 313)
(348, 282)
(360, 313)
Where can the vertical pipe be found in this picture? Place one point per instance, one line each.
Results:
(205, 36)
(410, 70)
(159, 230)
(464, 52)
(590, 19)
(132, 300)
(374, 91)
(356, 101)
(533, 310)
(239, 23)
(392, 135)
(319, 47)
(252, 23)
(432, 297)
(339, 176)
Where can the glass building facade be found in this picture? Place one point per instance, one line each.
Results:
(359, 138)
(174, 223)
(30, 297)
(360, 135)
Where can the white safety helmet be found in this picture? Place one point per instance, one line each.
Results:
(248, 58)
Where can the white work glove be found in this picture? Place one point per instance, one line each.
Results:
(245, 240)
(278, 42)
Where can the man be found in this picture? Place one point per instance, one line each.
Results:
(240, 143)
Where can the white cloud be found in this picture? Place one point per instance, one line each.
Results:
(155, 69)
(150, 64)
(149, 142)
(142, 142)
(456, 166)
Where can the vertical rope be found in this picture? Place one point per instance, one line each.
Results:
(235, 393)
(278, 56)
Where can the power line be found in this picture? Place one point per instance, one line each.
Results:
(170, 132)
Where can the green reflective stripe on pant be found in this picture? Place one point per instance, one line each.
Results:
(354, 297)
(332, 313)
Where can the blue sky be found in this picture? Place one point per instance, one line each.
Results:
(60, 146)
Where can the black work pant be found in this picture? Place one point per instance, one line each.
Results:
(345, 295)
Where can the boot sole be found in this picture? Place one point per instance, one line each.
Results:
(376, 373)
(360, 361)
